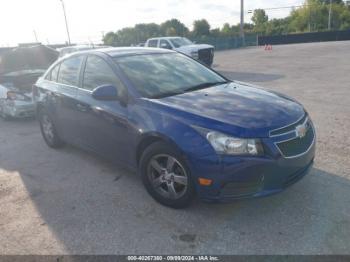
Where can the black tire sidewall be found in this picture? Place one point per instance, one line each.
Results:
(165, 148)
(3, 115)
(56, 141)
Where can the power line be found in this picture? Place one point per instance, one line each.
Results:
(277, 8)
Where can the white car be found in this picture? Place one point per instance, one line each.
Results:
(202, 52)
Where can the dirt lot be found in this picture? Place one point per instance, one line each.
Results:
(70, 202)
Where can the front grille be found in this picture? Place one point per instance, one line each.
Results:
(297, 146)
(239, 189)
(288, 128)
(206, 55)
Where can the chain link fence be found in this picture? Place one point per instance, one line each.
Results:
(224, 43)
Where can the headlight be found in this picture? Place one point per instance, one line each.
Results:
(16, 96)
(228, 145)
(194, 54)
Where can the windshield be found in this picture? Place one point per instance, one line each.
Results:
(161, 75)
(181, 41)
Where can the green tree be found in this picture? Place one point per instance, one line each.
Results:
(215, 32)
(345, 19)
(110, 39)
(201, 28)
(260, 19)
(277, 26)
(145, 31)
(313, 16)
(174, 27)
(327, 2)
(226, 30)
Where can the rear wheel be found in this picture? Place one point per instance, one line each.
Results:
(49, 131)
(166, 176)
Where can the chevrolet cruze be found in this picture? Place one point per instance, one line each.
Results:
(183, 127)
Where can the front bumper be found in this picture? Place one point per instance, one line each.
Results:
(206, 56)
(249, 177)
(19, 109)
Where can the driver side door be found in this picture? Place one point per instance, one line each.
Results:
(103, 124)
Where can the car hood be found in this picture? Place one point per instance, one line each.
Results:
(190, 48)
(235, 108)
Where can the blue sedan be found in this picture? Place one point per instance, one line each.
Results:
(183, 127)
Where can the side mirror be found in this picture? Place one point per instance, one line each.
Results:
(105, 92)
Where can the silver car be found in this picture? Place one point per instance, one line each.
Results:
(19, 70)
(16, 93)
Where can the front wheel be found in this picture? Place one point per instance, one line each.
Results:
(49, 131)
(166, 176)
(3, 115)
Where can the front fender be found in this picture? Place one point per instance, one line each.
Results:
(199, 154)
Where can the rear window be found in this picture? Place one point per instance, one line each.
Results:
(69, 71)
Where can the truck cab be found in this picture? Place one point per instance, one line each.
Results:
(201, 52)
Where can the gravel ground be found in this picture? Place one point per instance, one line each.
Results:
(71, 202)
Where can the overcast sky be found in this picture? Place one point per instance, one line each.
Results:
(88, 19)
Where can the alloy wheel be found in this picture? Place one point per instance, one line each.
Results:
(167, 176)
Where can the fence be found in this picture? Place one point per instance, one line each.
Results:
(304, 38)
(223, 43)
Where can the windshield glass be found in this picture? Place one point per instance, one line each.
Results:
(161, 75)
(180, 41)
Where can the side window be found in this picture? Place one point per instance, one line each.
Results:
(97, 73)
(153, 43)
(69, 71)
(165, 44)
(54, 73)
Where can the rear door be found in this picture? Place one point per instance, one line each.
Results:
(103, 124)
(65, 98)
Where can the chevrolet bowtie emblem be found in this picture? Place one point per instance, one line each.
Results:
(300, 131)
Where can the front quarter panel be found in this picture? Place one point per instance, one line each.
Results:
(200, 156)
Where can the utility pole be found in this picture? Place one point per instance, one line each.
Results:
(65, 19)
(242, 22)
(330, 15)
(309, 18)
(36, 37)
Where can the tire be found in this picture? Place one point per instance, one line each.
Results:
(49, 131)
(166, 176)
(3, 115)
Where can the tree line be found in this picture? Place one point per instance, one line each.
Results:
(311, 17)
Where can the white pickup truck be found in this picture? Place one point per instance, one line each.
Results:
(201, 52)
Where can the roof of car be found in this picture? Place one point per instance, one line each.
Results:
(126, 51)
(165, 37)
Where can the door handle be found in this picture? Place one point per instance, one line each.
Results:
(82, 108)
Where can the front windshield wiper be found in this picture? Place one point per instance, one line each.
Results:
(162, 95)
(204, 85)
(189, 89)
